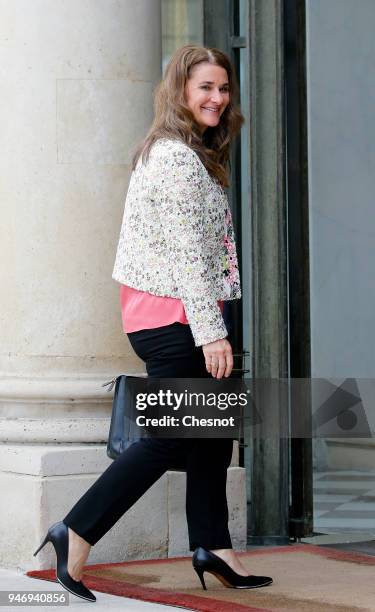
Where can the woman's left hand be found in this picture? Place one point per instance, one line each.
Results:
(219, 358)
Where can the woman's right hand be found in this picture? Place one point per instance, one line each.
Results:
(219, 358)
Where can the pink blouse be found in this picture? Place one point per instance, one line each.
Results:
(142, 310)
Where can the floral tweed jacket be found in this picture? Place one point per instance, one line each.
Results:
(177, 237)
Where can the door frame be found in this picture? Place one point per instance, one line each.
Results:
(221, 29)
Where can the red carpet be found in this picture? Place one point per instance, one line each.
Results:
(306, 578)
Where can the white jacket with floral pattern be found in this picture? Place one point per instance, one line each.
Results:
(177, 237)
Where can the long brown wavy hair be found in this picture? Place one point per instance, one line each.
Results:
(173, 118)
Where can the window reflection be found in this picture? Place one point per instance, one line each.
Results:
(182, 23)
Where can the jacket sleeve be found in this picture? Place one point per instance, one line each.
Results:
(181, 191)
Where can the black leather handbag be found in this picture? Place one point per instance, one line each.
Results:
(122, 431)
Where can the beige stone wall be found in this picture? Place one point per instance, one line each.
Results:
(77, 79)
(77, 83)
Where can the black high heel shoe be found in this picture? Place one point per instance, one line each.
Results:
(58, 535)
(206, 561)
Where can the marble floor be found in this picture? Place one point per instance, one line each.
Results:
(344, 502)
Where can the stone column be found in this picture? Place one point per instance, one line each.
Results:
(268, 518)
(77, 83)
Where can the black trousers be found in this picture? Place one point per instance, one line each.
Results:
(168, 352)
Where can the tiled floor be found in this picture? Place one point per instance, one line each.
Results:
(344, 502)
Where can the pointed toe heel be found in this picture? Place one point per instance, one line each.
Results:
(58, 535)
(206, 561)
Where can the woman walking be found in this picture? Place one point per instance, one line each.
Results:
(177, 264)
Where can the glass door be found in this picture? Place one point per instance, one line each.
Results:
(181, 24)
(341, 135)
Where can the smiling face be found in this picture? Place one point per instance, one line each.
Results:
(207, 94)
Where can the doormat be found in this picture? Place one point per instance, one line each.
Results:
(305, 578)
